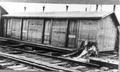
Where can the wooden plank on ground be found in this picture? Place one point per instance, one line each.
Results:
(54, 48)
(105, 62)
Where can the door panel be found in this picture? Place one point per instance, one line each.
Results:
(59, 30)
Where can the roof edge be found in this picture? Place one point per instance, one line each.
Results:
(109, 13)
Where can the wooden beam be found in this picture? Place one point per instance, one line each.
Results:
(21, 30)
(119, 47)
(67, 33)
(51, 31)
(67, 1)
(43, 31)
(113, 64)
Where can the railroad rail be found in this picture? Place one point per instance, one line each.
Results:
(11, 63)
(44, 59)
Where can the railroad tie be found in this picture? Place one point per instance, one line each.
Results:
(78, 67)
(60, 63)
(1, 61)
(6, 64)
(16, 66)
(22, 68)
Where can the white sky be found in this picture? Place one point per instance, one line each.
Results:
(37, 7)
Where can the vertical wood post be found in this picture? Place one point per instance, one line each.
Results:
(1, 26)
(119, 49)
(43, 8)
(67, 33)
(43, 32)
(51, 31)
(97, 7)
(67, 8)
(114, 8)
(21, 30)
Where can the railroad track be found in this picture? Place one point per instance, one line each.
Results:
(51, 62)
(11, 63)
(44, 60)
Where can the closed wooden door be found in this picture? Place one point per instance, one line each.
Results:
(35, 29)
(59, 29)
(9, 27)
(47, 33)
(5, 27)
(25, 29)
(72, 33)
(16, 28)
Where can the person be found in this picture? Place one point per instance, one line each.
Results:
(89, 50)
(93, 51)
(78, 51)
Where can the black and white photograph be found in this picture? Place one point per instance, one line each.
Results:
(59, 35)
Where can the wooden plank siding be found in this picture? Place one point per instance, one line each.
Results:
(112, 2)
(72, 33)
(25, 30)
(47, 33)
(9, 28)
(88, 30)
(14, 28)
(106, 36)
(63, 32)
(32, 30)
(5, 27)
(59, 29)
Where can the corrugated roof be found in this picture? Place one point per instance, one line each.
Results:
(61, 15)
(67, 1)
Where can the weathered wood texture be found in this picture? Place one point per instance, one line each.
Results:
(9, 28)
(47, 33)
(35, 29)
(72, 33)
(103, 31)
(119, 48)
(67, 1)
(32, 30)
(14, 28)
(5, 27)
(25, 30)
(106, 35)
(59, 29)
(2, 12)
(88, 29)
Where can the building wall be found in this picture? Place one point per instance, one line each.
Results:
(106, 35)
(63, 32)
(32, 30)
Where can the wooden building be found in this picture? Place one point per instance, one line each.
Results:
(64, 29)
(2, 12)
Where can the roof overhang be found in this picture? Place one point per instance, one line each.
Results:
(67, 1)
(82, 15)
